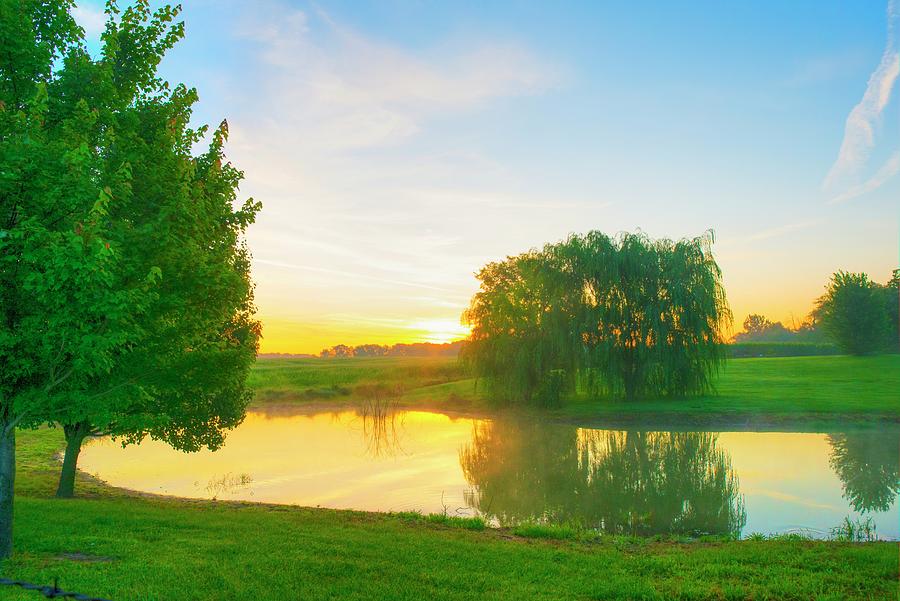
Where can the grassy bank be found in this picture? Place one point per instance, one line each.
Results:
(751, 393)
(299, 380)
(118, 545)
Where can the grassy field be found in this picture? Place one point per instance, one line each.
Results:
(751, 393)
(316, 379)
(119, 545)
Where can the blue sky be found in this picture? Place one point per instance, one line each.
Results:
(397, 146)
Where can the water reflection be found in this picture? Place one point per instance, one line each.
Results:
(868, 464)
(379, 458)
(382, 422)
(229, 484)
(621, 482)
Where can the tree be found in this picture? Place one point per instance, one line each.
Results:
(182, 379)
(891, 293)
(370, 350)
(125, 296)
(854, 313)
(627, 315)
(758, 328)
(522, 335)
(63, 314)
(756, 324)
(341, 351)
(810, 330)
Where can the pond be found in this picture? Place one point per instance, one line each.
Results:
(515, 468)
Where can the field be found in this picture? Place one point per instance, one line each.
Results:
(118, 545)
(298, 380)
(795, 392)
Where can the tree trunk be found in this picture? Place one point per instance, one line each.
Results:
(75, 435)
(7, 482)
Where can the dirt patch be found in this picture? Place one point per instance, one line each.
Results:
(84, 558)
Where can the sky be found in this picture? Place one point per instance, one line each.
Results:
(398, 146)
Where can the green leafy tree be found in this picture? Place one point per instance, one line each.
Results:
(758, 328)
(183, 380)
(126, 298)
(854, 313)
(524, 333)
(756, 324)
(63, 314)
(624, 316)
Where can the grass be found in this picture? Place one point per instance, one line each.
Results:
(313, 379)
(751, 393)
(120, 545)
(760, 392)
(855, 531)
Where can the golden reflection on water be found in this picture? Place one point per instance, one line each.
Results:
(323, 459)
(642, 482)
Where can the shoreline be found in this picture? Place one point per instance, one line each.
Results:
(643, 421)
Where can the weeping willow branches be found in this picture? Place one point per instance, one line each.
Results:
(625, 316)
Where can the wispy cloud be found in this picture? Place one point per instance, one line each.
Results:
(888, 170)
(860, 131)
(360, 92)
(826, 68)
(355, 276)
(781, 230)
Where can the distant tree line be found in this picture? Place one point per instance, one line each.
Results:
(415, 349)
(758, 328)
(620, 316)
(857, 315)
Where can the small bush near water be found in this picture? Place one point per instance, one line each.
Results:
(855, 531)
(453, 521)
(847, 531)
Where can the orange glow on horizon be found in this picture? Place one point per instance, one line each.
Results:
(289, 336)
(362, 317)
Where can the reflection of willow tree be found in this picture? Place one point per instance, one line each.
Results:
(380, 417)
(868, 464)
(621, 482)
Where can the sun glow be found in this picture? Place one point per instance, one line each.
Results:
(440, 331)
(282, 335)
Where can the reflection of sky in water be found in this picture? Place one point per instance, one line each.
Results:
(788, 483)
(332, 460)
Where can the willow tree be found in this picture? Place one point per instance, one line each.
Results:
(623, 316)
(524, 329)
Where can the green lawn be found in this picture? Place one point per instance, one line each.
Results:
(122, 546)
(316, 379)
(751, 393)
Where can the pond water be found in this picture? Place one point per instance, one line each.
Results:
(515, 469)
